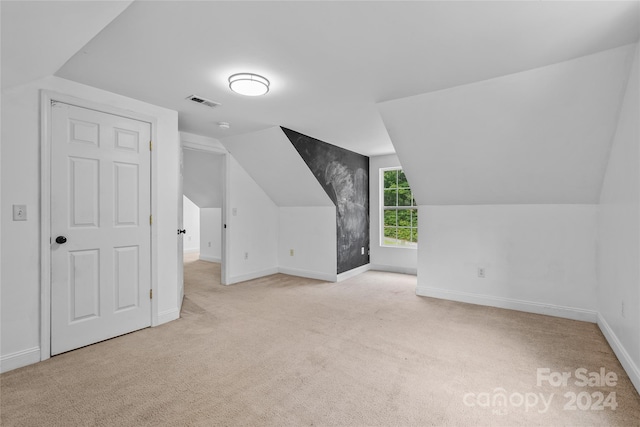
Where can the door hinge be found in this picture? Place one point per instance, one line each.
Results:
(150, 145)
(150, 293)
(150, 219)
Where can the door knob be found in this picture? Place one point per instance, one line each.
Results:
(182, 231)
(61, 239)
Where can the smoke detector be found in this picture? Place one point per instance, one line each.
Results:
(203, 101)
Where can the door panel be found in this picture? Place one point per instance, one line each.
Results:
(84, 285)
(126, 194)
(126, 274)
(101, 203)
(84, 132)
(84, 191)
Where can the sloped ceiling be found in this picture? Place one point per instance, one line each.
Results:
(272, 161)
(202, 178)
(39, 37)
(330, 62)
(481, 113)
(539, 136)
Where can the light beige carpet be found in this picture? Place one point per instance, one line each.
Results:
(285, 351)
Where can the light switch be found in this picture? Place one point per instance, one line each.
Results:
(19, 212)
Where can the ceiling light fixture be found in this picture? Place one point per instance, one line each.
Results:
(248, 84)
(223, 125)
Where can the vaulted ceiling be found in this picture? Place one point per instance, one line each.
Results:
(484, 102)
(273, 162)
(38, 37)
(202, 179)
(331, 62)
(539, 136)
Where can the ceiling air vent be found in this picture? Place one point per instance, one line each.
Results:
(203, 101)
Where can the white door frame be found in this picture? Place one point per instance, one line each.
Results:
(46, 97)
(193, 145)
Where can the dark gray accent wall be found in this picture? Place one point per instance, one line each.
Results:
(344, 175)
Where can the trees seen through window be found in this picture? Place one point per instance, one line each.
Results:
(399, 210)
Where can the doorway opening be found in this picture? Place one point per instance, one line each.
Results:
(202, 231)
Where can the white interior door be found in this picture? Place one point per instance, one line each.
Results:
(101, 206)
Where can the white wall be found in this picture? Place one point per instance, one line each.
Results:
(537, 258)
(20, 291)
(311, 233)
(252, 220)
(400, 260)
(211, 234)
(619, 236)
(190, 223)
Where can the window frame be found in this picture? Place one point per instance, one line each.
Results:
(382, 208)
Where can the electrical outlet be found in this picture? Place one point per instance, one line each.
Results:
(234, 211)
(189, 238)
(290, 252)
(481, 273)
(362, 251)
(19, 212)
(209, 244)
(246, 255)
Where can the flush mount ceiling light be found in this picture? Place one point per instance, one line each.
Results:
(248, 84)
(223, 125)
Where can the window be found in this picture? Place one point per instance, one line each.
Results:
(399, 210)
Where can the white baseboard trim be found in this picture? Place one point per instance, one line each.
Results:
(327, 277)
(191, 251)
(210, 258)
(626, 361)
(168, 316)
(353, 272)
(254, 275)
(511, 304)
(394, 269)
(19, 359)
